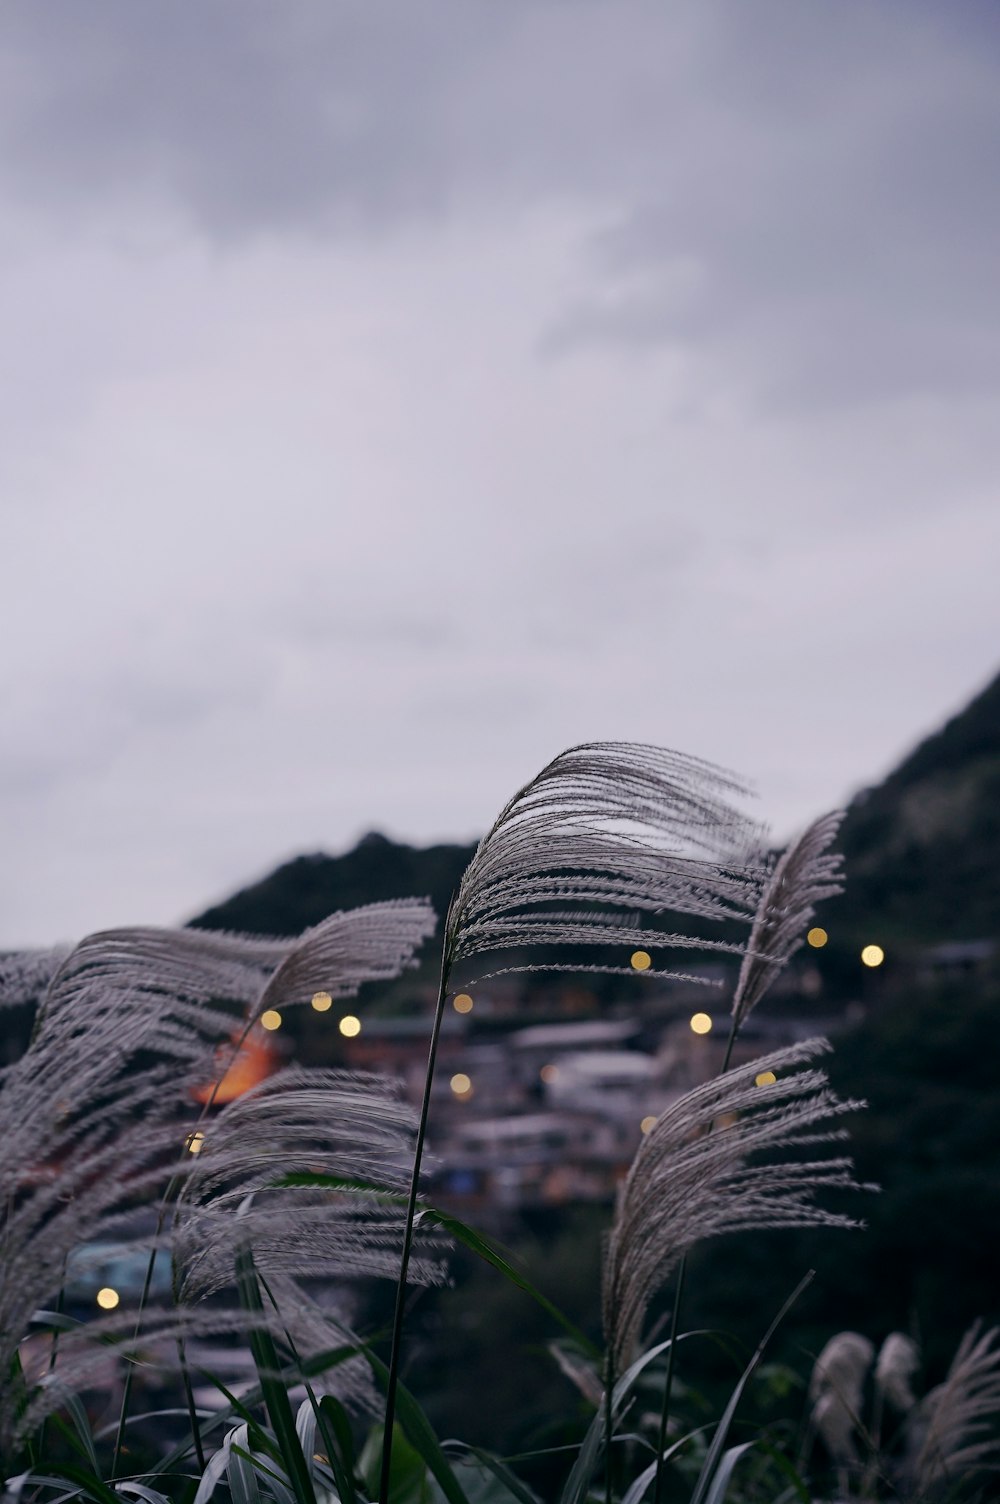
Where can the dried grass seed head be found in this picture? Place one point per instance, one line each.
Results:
(724, 1158)
(616, 830)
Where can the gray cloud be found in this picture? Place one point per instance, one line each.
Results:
(301, 533)
(808, 197)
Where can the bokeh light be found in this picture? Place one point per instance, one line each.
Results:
(641, 960)
(648, 1123)
(271, 1019)
(350, 1026)
(873, 955)
(817, 937)
(701, 1023)
(107, 1298)
(460, 1084)
(322, 1002)
(766, 1078)
(462, 1003)
(194, 1141)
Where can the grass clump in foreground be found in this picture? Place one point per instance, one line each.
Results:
(265, 1209)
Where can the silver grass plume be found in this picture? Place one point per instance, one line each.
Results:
(301, 1122)
(836, 1393)
(897, 1362)
(168, 988)
(129, 1021)
(954, 1430)
(715, 1162)
(619, 829)
(805, 873)
(25, 974)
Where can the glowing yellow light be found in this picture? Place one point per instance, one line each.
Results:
(194, 1141)
(641, 960)
(873, 955)
(701, 1023)
(549, 1073)
(462, 1003)
(349, 1026)
(817, 937)
(271, 1019)
(107, 1298)
(766, 1078)
(322, 1002)
(648, 1123)
(460, 1084)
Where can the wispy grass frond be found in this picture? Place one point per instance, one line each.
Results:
(836, 1393)
(803, 875)
(84, 1184)
(718, 1161)
(89, 1115)
(955, 1426)
(348, 1127)
(898, 1360)
(620, 829)
(369, 944)
(167, 989)
(25, 974)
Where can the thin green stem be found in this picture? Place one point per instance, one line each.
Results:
(734, 1029)
(609, 1384)
(392, 1381)
(675, 1316)
(668, 1382)
(192, 1408)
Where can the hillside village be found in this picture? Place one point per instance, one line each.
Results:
(543, 1088)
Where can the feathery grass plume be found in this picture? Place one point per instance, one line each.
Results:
(72, 1178)
(620, 828)
(954, 1429)
(25, 974)
(617, 827)
(836, 1393)
(306, 1123)
(129, 1021)
(805, 873)
(169, 988)
(897, 1362)
(696, 1174)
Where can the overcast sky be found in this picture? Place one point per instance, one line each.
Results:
(396, 392)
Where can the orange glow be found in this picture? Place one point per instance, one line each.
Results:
(641, 960)
(254, 1062)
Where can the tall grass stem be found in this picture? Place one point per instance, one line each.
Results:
(392, 1380)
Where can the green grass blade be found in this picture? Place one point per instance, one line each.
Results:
(269, 1371)
(713, 1458)
(420, 1434)
(723, 1473)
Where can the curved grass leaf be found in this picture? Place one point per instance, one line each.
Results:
(269, 1368)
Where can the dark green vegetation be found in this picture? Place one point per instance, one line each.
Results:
(920, 850)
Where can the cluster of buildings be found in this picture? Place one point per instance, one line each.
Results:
(528, 1115)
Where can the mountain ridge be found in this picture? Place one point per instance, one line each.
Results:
(920, 852)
